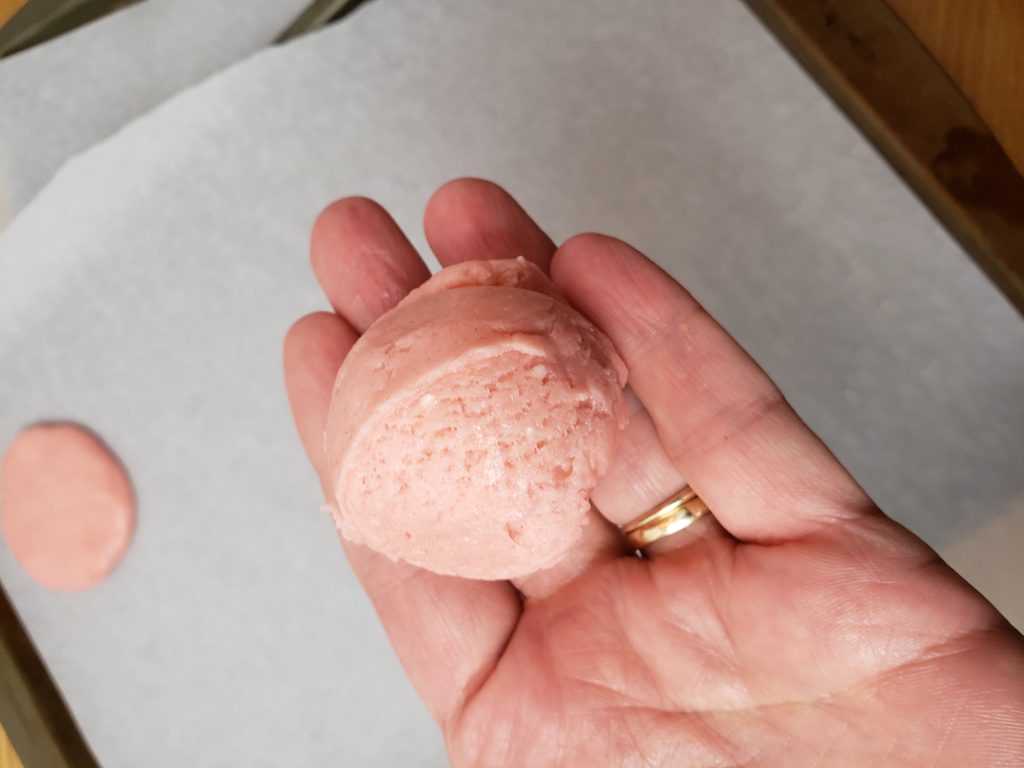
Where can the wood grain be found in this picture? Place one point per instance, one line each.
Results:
(980, 43)
(8, 8)
(901, 98)
(8, 757)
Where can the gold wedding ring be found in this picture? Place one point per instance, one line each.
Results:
(675, 514)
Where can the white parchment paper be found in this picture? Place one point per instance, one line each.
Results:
(147, 289)
(61, 97)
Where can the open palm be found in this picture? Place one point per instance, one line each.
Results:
(801, 628)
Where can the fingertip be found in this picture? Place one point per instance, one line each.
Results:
(592, 258)
(337, 220)
(468, 219)
(629, 296)
(592, 267)
(456, 199)
(463, 187)
(297, 331)
(592, 243)
(362, 259)
(580, 254)
(312, 334)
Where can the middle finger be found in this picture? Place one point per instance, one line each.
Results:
(363, 260)
(470, 219)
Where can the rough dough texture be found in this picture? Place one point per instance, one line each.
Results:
(66, 505)
(470, 423)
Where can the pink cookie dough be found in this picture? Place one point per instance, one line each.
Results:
(470, 423)
(66, 505)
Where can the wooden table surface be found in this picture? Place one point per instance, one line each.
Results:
(8, 757)
(883, 77)
(8, 8)
(980, 43)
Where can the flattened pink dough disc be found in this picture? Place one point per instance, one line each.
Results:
(469, 424)
(66, 505)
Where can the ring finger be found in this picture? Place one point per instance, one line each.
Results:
(641, 477)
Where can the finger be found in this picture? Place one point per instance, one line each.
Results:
(641, 474)
(313, 352)
(447, 632)
(640, 478)
(470, 219)
(363, 261)
(723, 423)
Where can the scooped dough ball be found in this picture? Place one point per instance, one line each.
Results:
(470, 423)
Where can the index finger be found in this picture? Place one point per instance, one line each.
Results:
(723, 422)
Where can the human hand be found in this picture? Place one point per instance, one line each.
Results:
(800, 626)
